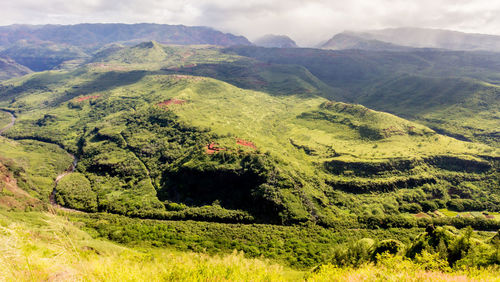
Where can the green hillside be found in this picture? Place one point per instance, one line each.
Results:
(40, 56)
(9, 69)
(155, 141)
(453, 92)
(467, 109)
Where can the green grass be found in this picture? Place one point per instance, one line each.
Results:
(38, 247)
(4, 119)
(456, 93)
(43, 246)
(35, 164)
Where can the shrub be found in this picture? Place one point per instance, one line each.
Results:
(388, 246)
(74, 191)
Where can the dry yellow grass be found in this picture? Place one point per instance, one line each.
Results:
(46, 247)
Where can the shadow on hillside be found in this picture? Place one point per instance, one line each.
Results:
(278, 80)
(104, 82)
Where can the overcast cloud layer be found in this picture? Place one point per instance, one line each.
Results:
(307, 22)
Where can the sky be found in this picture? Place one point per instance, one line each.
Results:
(308, 22)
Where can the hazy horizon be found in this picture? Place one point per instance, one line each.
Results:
(307, 23)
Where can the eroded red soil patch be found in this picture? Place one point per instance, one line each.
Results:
(212, 148)
(246, 143)
(12, 196)
(81, 99)
(169, 102)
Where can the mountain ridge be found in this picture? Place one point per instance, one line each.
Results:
(430, 38)
(95, 35)
(275, 41)
(10, 68)
(349, 40)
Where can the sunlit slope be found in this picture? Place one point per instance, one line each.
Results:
(40, 247)
(4, 119)
(33, 164)
(454, 92)
(467, 109)
(154, 56)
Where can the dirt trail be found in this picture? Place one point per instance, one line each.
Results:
(12, 121)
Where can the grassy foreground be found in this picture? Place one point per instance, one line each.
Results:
(46, 247)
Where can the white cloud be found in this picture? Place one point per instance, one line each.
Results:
(308, 22)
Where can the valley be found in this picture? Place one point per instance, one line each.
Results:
(309, 162)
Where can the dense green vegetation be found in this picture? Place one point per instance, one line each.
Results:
(301, 246)
(42, 246)
(74, 190)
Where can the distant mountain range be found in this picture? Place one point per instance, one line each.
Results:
(401, 38)
(275, 41)
(97, 35)
(349, 40)
(47, 47)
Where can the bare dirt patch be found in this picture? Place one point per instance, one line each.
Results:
(81, 99)
(213, 148)
(246, 143)
(11, 196)
(167, 103)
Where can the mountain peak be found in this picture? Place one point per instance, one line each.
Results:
(148, 45)
(275, 41)
(350, 40)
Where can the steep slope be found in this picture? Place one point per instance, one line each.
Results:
(275, 41)
(349, 40)
(9, 69)
(94, 36)
(146, 52)
(12, 197)
(434, 38)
